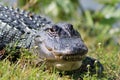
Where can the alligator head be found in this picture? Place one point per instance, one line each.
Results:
(61, 45)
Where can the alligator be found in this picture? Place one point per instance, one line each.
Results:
(57, 43)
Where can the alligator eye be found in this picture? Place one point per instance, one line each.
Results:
(51, 30)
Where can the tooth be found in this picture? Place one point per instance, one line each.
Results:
(70, 57)
(61, 57)
(67, 57)
(57, 57)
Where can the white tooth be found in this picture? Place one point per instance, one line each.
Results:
(61, 57)
(69, 57)
(57, 57)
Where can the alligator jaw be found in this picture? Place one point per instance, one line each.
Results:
(67, 62)
(70, 58)
(67, 66)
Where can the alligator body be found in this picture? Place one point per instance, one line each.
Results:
(60, 44)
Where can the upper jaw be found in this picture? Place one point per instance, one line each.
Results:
(67, 57)
(67, 62)
(72, 53)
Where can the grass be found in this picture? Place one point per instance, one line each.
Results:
(110, 60)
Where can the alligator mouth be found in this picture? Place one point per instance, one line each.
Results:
(73, 57)
(70, 57)
(66, 56)
(67, 62)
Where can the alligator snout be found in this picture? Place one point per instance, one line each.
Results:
(79, 50)
(72, 51)
(67, 49)
(75, 54)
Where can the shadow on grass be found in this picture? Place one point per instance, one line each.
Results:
(90, 67)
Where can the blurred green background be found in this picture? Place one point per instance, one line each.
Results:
(98, 21)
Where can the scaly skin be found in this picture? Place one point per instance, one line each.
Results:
(60, 44)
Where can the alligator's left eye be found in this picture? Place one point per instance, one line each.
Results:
(51, 30)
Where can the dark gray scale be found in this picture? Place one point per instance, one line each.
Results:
(27, 40)
(29, 22)
(17, 26)
(8, 34)
(2, 8)
(14, 35)
(2, 16)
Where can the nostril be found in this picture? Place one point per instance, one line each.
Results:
(82, 46)
(79, 45)
(80, 50)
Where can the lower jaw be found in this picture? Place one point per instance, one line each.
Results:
(67, 66)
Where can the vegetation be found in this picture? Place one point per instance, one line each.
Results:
(99, 29)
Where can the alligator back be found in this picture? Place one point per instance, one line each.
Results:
(18, 26)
